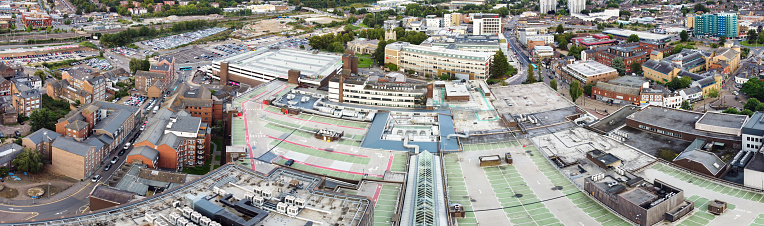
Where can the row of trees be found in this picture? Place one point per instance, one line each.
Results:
(751, 106)
(422, 11)
(331, 42)
(138, 64)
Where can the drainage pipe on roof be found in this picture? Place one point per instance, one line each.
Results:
(465, 135)
(407, 145)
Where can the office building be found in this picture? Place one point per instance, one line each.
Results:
(753, 132)
(589, 72)
(472, 43)
(390, 90)
(486, 24)
(576, 6)
(716, 25)
(433, 22)
(437, 60)
(547, 5)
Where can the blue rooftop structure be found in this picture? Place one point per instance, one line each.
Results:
(446, 124)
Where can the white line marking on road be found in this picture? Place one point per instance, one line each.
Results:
(538, 182)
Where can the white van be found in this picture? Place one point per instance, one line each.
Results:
(156, 108)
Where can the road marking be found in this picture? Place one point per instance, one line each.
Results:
(59, 213)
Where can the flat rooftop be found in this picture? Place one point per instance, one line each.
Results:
(590, 68)
(572, 145)
(615, 120)
(756, 163)
(278, 62)
(723, 120)
(527, 98)
(678, 120)
(642, 35)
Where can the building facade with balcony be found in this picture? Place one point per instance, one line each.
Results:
(180, 139)
(436, 60)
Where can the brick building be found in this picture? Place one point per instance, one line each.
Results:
(88, 135)
(77, 85)
(36, 20)
(636, 52)
(152, 84)
(180, 140)
(199, 103)
(25, 99)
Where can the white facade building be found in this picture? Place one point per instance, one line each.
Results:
(547, 5)
(433, 22)
(486, 24)
(576, 6)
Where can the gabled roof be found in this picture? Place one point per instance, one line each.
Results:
(42, 135)
(163, 67)
(709, 160)
(9, 151)
(111, 194)
(145, 151)
(114, 121)
(659, 66)
(68, 144)
(77, 125)
(149, 74)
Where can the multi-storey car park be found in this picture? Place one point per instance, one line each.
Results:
(462, 153)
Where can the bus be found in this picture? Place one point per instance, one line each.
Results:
(534, 67)
(185, 68)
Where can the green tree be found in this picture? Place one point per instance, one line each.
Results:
(760, 39)
(753, 88)
(679, 83)
(563, 44)
(684, 36)
(560, 29)
(751, 104)
(752, 35)
(29, 161)
(746, 112)
(43, 118)
(722, 40)
(588, 89)
(41, 74)
(4, 171)
(531, 78)
(379, 53)
(575, 90)
(219, 128)
(731, 110)
(553, 84)
(686, 105)
(636, 67)
(619, 66)
(499, 66)
(632, 38)
(714, 93)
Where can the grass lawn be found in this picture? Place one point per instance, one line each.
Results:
(219, 144)
(199, 170)
(365, 61)
(745, 43)
(362, 25)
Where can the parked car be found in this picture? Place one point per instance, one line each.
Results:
(18, 134)
(95, 178)
(107, 167)
(121, 152)
(115, 159)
